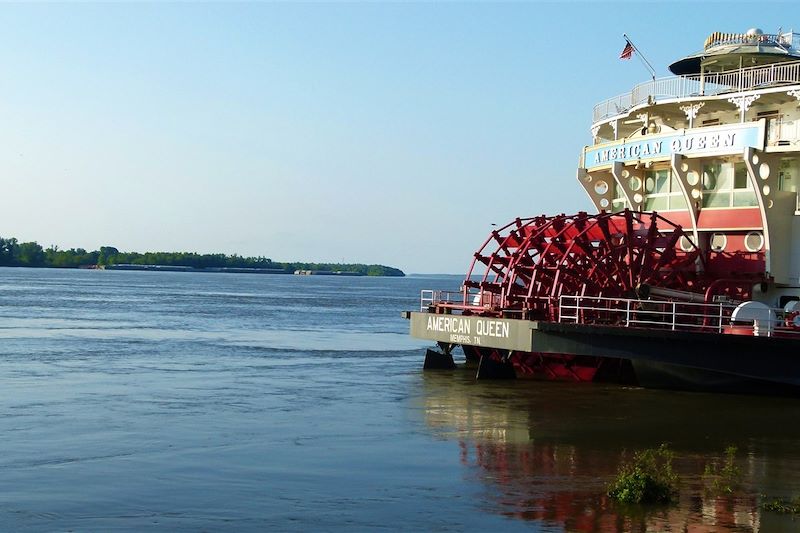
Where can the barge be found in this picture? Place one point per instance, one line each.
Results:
(687, 273)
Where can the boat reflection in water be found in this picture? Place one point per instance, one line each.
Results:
(546, 453)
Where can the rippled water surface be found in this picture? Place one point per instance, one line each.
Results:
(139, 400)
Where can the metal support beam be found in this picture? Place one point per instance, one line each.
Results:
(777, 208)
(690, 176)
(631, 182)
(599, 186)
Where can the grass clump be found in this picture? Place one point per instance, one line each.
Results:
(649, 478)
(726, 477)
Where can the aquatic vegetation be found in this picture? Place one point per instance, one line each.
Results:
(781, 506)
(649, 478)
(724, 478)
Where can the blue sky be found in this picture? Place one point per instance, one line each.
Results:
(363, 132)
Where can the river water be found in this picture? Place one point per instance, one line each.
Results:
(187, 401)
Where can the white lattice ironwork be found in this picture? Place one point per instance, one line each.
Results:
(691, 111)
(743, 102)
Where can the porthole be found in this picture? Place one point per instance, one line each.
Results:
(601, 187)
(754, 241)
(763, 171)
(686, 244)
(718, 242)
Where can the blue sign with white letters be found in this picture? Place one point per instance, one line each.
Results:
(708, 141)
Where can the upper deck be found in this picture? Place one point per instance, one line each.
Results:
(729, 63)
(715, 149)
(672, 88)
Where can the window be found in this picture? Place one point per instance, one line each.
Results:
(774, 120)
(788, 176)
(663, 192)
(618, 203)
(726, 184)
(743, 195)
(739, 176)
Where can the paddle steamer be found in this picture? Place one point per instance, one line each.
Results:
(687, 272)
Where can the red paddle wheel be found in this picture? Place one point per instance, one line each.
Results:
(523, 268)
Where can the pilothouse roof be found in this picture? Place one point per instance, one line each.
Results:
(726, 51)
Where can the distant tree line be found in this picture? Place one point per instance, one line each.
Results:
(31, 254)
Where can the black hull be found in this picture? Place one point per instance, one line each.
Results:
(660, 359)
(664, 376)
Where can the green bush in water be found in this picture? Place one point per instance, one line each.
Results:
(781, 506)
(727, 478)
(647, 479)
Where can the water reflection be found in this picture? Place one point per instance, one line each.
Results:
(546, 451)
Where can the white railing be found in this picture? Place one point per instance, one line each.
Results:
(629, 312)
(463, 299)
(427, 298)
(621, 312)
(671, 315)
(786, 40)
(710, 84)
(471, 299)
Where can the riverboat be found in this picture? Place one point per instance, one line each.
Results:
(687, 273)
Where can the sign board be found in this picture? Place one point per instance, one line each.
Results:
(502, 333)
(713, 140)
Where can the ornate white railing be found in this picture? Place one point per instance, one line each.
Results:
(710, 84)
(786, 40)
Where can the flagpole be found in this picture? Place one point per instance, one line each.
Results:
(644, 59)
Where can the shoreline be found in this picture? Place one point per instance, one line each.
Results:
(215, 270)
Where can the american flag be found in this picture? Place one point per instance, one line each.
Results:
(627, 52)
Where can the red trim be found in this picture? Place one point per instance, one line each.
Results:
(680, 218)
(742, 218)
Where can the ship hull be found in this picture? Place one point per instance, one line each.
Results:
(647, 374)
(653, 358)
(559, 367)
(665, 376)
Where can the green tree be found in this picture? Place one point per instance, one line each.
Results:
(106, 255)
(30, 254)
(8, 251)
